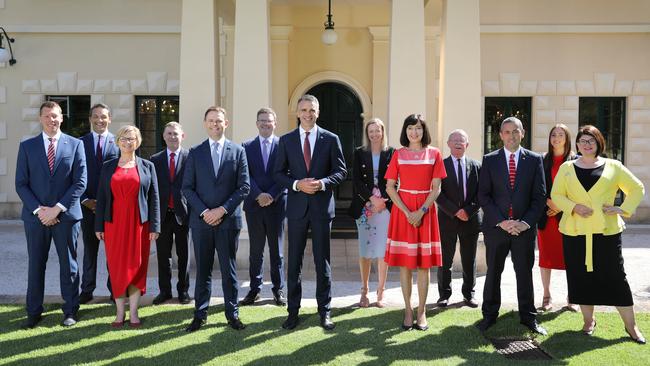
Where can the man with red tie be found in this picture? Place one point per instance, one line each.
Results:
(170, 167)
(512, 194)
(309, 164)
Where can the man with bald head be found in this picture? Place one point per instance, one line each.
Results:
(459, 218)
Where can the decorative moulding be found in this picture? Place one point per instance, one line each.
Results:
(102, 86)
(67, 82)
(139, 87)
(642, 87)
(585, 87)
(527, 88)
(84, 86)
(541, 102)
(566, 87)
(623, 87)
(604, 83)
(173, 86)
(49, 86)
(97, 98)
(157, 82)
(31, 86)
(121, 86)
(546, 88)
(491, 88)
(509, 83)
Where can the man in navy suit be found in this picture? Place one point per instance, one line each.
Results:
(265, 209)
(458, 218)
(309, 165)
(99, 146)
(215, 182)
(50, 178)
(170, 166)
(512, 194)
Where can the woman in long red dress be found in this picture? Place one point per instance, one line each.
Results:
(127, 219)
(549, 238)
(413, 234)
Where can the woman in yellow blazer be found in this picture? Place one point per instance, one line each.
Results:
(591, 226)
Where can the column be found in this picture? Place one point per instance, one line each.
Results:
(460, 73)
(380, 67)
(407, 71)
(251, 79)
(199, 65)
(280, 78)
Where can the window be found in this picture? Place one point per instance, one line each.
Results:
(608, 115)
(75, 113)
(499, 108)
(152, 113)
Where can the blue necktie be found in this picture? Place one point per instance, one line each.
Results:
(216, 159)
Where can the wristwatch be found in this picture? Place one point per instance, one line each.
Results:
(424, 209)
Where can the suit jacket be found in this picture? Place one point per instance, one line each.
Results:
(262, 179)
(449, 199)
(37, 187)
(363, 178)
(528, 197)
(205, 191)
(110, 152)
(327, 164)
(159, 160)
(147, 195)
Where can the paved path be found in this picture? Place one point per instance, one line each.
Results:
(13, 276)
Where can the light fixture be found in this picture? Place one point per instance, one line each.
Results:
(6, 56)
(329, 35)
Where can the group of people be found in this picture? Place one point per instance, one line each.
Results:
(99, 184)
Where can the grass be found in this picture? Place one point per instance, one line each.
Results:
(362, 337)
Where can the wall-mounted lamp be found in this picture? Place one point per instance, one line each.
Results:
(6, 56)
(329, 36)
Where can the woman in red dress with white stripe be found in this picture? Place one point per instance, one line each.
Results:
(413, 234)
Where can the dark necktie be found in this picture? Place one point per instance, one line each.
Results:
(50, 154)
(265, 153)
(461, 185)
(512, 171)
(98, 152)
(172, 176)
(306, 151)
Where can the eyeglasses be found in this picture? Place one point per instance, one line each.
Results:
(265, 120)
(127, 139)
(587, 142)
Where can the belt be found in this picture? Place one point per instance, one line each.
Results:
(412, 191)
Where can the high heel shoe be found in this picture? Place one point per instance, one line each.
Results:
(380, 298)
(363, 301)
(639, 340)
(590, 331)
(546, 304)
(118, 324)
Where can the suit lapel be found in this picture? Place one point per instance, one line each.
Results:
(272, 152)
(256, 156)
(298, 150)
(61, 147)
(502, 168)
(523, 160)
(320, 139)
(225, 151)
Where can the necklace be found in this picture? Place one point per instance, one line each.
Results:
(126, 165)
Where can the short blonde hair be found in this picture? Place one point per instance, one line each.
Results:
(173, 124)
(380, 123)
(128, 128)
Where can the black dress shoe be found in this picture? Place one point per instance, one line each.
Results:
(640, 340)
(291, 322)
(485, 324)
(443, 302)
(590, 331)
(69, 320)
(184, 298)
(471, 302)
(326, 322)
(535, 327)
(407, 327)
(31, 321)
(250, 298)
(195, 325)
(161, 298)
(417, 326)
(278, 297)
(236, 324)
(85, 298)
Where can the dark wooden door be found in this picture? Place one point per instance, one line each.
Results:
(340, 113)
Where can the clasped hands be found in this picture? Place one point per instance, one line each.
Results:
(513, 227)
(415, 217)
(585, 212)
(48, 215)
(214, 216)
(264, 199)
(309, 185)
(90, 204)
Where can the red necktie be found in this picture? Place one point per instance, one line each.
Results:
(98, 151)
(512, 171)
(306, 151)
(50, 154)
(172, 175)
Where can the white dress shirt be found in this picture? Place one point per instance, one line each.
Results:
(96, 137)
(221, 141)
(312, 144)
(46, 144)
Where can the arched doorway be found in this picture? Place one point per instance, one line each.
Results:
(341, 113)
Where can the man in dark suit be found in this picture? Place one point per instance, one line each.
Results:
(265, 210)
(309, 165)
(512, 195)
(214, 196)
(50, 178)
(170, 165)
(459, 218)
(99, 146)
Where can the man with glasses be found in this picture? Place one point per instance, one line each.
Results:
(100, 146)
(265, 210)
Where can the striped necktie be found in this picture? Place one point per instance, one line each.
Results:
(50, 154)
(512, 171)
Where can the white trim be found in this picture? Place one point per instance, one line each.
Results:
(93, 29)
(334, 76)
(566, 28)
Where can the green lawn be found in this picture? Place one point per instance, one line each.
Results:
(362, 336)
